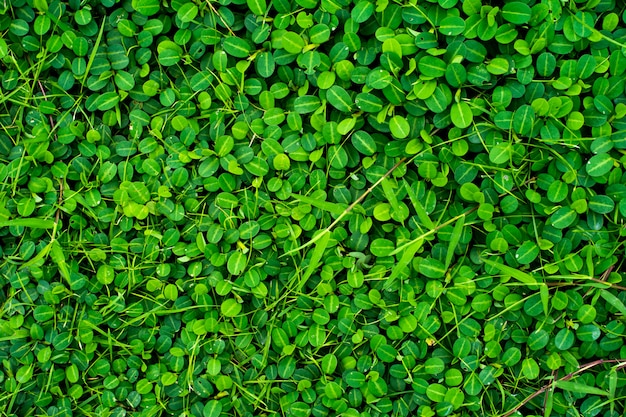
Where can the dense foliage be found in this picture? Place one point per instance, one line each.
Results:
(312, 207)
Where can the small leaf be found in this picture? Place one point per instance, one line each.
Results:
(362, 11)
(292, 42)
(230, 307)
(399, 127)
(212, 408)
(599, 165)
(516, 12)
(187, 12)
(432, 268)
(363, 142)
(237, 263)
(461, 115)
(147, 7)
(339, 98)
(258, 7)
(237, 47)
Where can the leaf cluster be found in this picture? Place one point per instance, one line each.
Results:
(312, 208)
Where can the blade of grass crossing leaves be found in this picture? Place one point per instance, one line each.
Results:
(332, 208)
(389, 193)
(94, 51)
(33, 223)
(404, 261)
(612, 387)
(614, 301)
(454, 240)
(58, 257)
(549, 402)
(545, 298)
(521, 276)
(316, 257)
(346, 211)
(419, 209)
(579, 388)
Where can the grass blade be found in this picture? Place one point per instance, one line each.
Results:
(405, 260)
(419, 209)
(332, 208)
(521, 276)
(28, 222)
(389, 193)
(580, 388)
(545, 298)
(614, 301)
(316, 257)
(454, 240)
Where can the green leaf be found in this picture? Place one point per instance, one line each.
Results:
(382, 247)
(530, 368)
(583, 24)
(432, 268)
(258, 7)
(107, 101)
(362, 11)
(292, 42)
(230, 308)
(212, 408)
(599, 165)
(237, 47)
(563, 217)
(501, 153)
(564, 339)
(452, 26)
(187, 12)
(399, 127)
(523, 120)
(498, 66)
(368, 102)
(24, 374)
(147, 7)
(306, 104)
(363, 142)
(432, 66)
(527, 253)
(461, 115)
(339, 98)
(237, 263)
(169, 53)
(516, 12)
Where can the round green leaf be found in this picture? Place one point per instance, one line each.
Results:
(399, 127)
(363, 142)
(339, 98)
(516, 12)
(230, 307)
(461, 114)
(147, 7)
(599, 165)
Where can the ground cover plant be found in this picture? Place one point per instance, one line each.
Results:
(312, 208)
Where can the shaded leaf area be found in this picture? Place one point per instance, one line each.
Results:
(312, 208)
